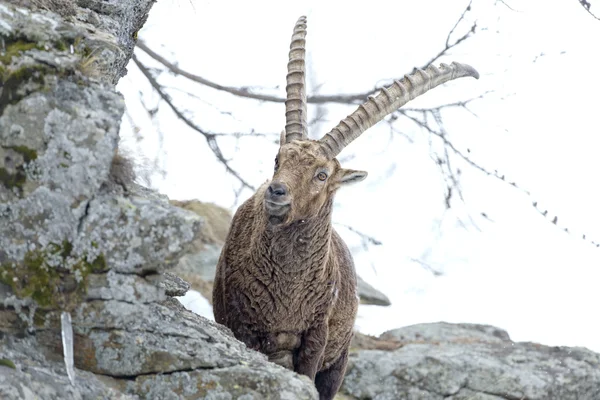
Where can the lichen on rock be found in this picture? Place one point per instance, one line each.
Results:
(71, 240)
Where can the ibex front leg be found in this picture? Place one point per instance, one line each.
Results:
(328, 381)
(309, 356)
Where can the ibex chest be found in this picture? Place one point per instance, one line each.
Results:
(280, 300)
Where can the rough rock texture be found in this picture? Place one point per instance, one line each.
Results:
(369, 295)
(464, 362)
(174, 285)
(73, 239)
(197, 359)
(34, 376)
(199, 264)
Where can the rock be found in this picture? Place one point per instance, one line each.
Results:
(174, 285)
(41, 375)
(201, 260)
(445, 332)
(37, 377)
(245, 381)
(198, 266)
(463, 361)
(361, 341)
(71, 240)
(369, 295)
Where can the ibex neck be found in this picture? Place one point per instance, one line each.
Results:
(301, 246)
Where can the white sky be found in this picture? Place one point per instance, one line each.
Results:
(539, 127)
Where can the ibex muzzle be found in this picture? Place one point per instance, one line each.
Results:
(285, 281)
(277, 202)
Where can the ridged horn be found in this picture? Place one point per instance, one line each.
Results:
(388, 100)
(295, 104)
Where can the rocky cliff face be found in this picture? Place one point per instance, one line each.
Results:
(73, 239)
(467, 362)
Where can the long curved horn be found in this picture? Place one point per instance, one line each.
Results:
(389, 100)
(295, 105)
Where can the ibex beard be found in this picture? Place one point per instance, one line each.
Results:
(285, 282)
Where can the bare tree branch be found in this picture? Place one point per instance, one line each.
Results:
(235, 91)
(507, 6)
(427, 267)
(448, 45)
(355, 98)
(586, 4)
(451, 177)
(243, 92)
(210, 137)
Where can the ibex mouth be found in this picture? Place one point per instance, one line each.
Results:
(276, 208)
(276, 211)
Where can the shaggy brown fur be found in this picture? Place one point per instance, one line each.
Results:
(285, 282)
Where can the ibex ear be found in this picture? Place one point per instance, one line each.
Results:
(282, 138)
(347, 176)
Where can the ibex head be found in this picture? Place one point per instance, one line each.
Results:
(306, 171)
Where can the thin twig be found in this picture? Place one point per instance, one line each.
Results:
(210, 137)
(427, 267)
(362, 235)
(458, 41)
(507, 6)
(448, 144)
(586, 4)
(461, 155)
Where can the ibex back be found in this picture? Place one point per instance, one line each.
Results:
(285, 282)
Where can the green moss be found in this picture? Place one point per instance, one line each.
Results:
(27, 153)
(86, 52)
(13, 75)
(15, 48)
(12, 80)
(61, 45)
(17, 179)
(5, 362)
(99, 264)
(67, 248)
(34, 278)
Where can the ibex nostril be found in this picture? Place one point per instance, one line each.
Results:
(277, 190)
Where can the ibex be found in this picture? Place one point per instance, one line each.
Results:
(285, 282)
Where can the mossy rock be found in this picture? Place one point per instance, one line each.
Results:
(17, 178)
(14, 49)
(5, 362)
(52, 286)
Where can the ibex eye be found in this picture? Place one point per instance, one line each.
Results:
(276, 163)
(322, 176)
